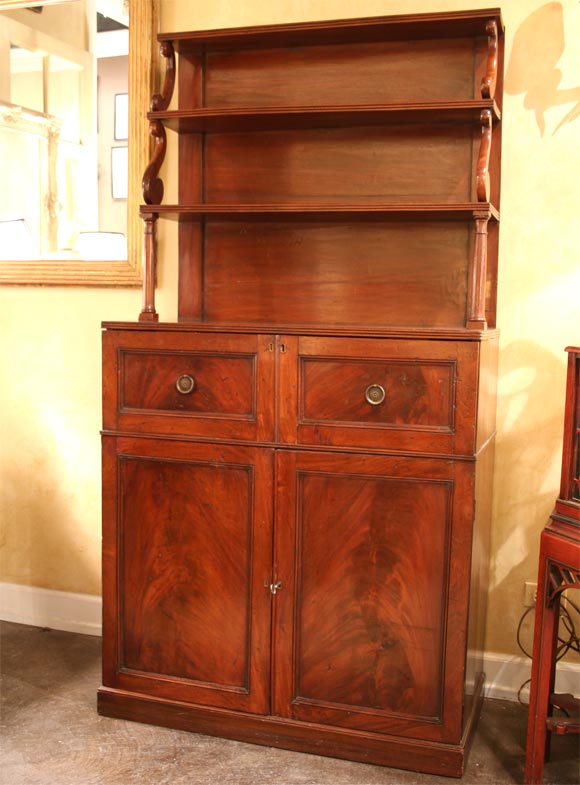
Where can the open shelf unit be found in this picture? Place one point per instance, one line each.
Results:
(333, 124)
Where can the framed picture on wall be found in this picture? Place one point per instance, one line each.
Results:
(119, 172)
(121, 116)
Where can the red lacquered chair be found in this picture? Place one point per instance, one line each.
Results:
(559, 569)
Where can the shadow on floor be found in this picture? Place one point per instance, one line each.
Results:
(52, 735)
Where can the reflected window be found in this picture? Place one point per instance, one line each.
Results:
(27, 78)
(58, 181)
(15, 234)
(78, 177)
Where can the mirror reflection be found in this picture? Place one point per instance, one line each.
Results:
(63, 131)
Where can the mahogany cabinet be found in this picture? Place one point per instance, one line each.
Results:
(297, 473)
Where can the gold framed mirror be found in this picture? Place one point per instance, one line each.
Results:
(127, 272)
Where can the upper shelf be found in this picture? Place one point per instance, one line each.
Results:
(323, 213)
(240, 119)
(388, 28)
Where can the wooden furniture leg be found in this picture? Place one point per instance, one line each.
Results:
(558, 569)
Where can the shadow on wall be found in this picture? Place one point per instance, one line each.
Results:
(543, 34)
(530, 406)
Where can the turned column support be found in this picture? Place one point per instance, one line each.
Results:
(148, 312)
(478, 273)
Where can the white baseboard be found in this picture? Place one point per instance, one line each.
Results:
(61, 610)
(504, 675)
(58, 610)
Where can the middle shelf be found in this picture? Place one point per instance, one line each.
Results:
(323, 213)
(273, 118)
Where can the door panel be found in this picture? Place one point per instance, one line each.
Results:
(364, 556)
(194, 548)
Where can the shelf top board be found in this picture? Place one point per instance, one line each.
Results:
(457, 24)
(422, 333)
(240, 119)
(323, 213)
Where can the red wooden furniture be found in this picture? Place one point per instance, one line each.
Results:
(297, 473)
(559, 569)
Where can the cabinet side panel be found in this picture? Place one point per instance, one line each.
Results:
(365, 274)
(487, 392)
(479, 581)
(110, 561)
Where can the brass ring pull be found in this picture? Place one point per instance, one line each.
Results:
(375, 394)
(185, 384)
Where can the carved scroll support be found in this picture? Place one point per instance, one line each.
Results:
(160, 101)
(478, 275)
(482, 182)
(489, 80)
(152, 183)
(148, 312)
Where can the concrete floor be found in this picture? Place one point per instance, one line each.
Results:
(51, 735)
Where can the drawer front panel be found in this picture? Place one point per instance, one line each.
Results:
(200, 384)
(369, 392)
(383, 394)
(189, 384)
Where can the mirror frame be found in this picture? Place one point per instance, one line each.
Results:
(143, 22)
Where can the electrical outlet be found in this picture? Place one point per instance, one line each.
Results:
(530, 593)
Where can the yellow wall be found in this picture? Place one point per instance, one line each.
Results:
(50, 351)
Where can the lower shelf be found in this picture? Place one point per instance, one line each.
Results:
(416, 755)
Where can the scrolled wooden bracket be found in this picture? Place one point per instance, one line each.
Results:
(489, 80)
(148, 312)
(482, 182)
(478, 273)
(153, 185)
(160, 101)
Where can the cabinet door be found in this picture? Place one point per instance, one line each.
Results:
(187, 546)
(373, 556)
